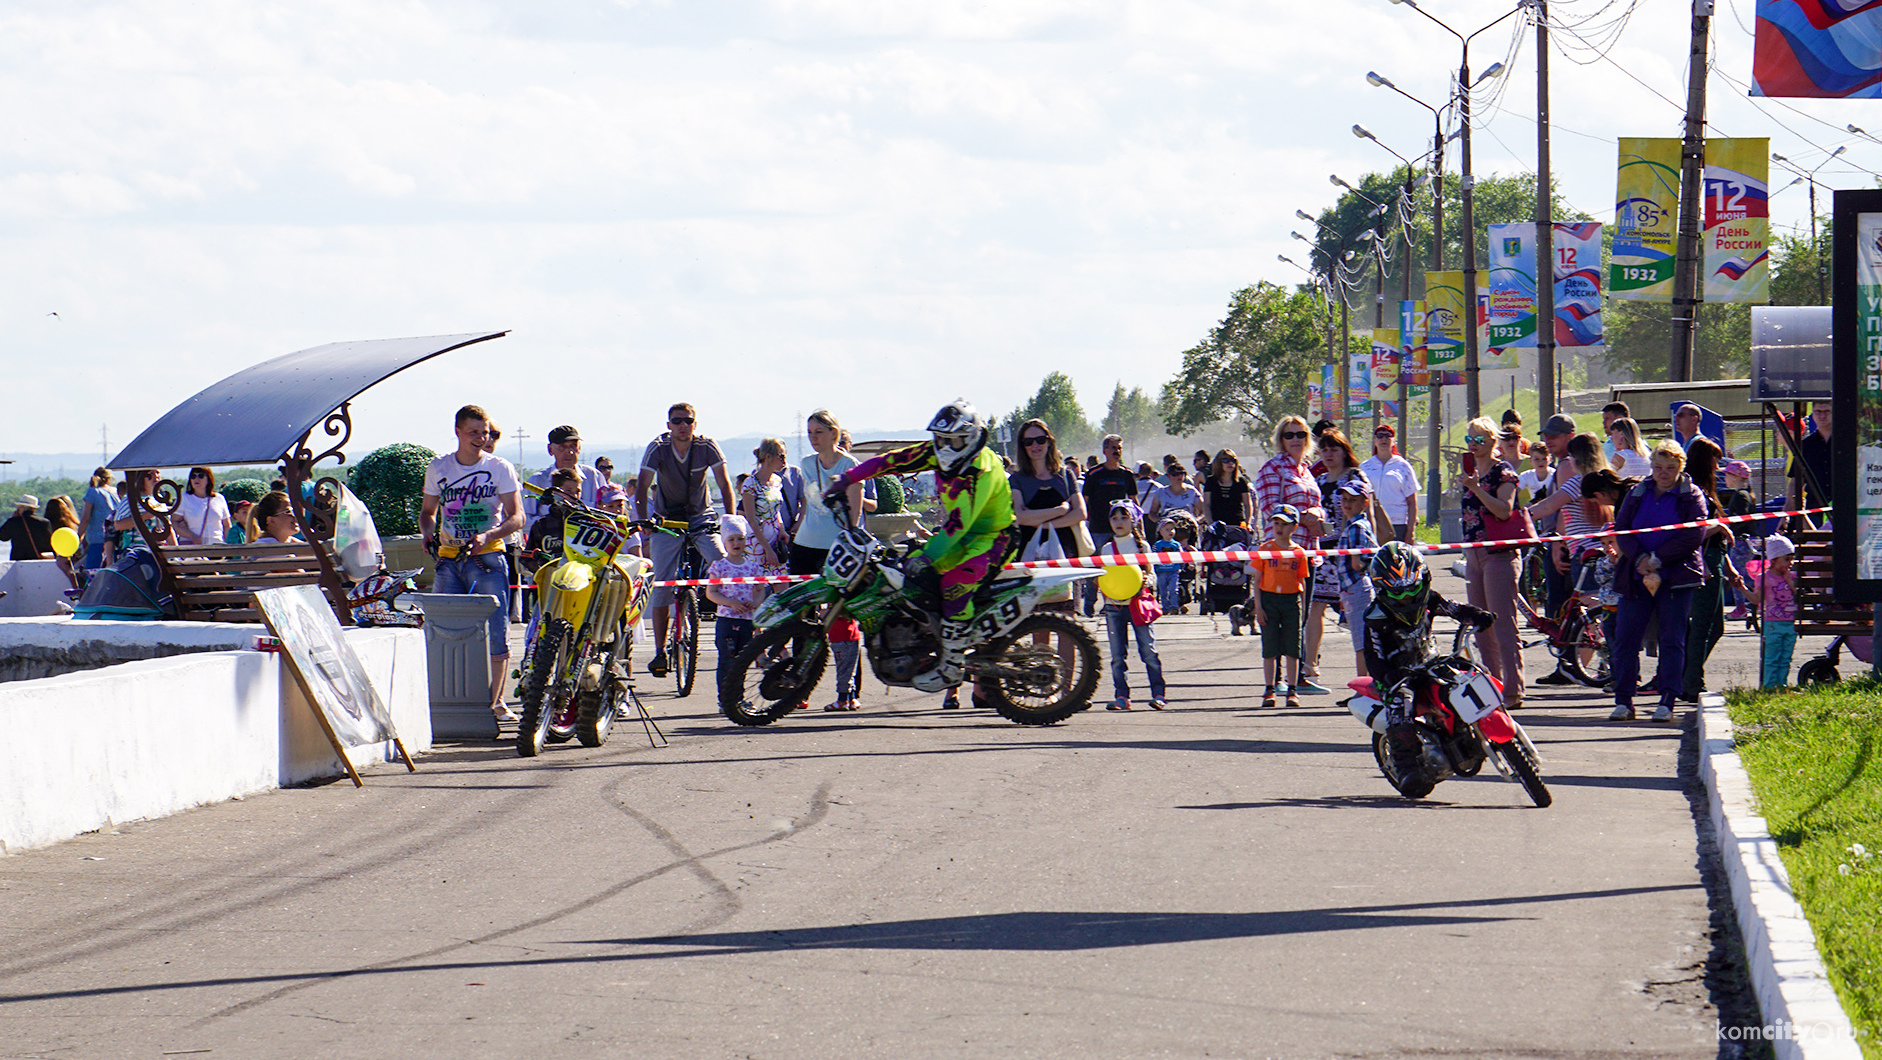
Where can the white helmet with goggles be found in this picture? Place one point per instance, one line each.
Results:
(959, 436)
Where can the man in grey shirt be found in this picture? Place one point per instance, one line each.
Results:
(672, 483)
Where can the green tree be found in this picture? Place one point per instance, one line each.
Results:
(391, 480)
(1056, 402)
(1494, 200)
(1132, 415)
(1255, 364)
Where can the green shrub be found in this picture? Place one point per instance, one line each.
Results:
(391, 480)
(889, 499)
(242, 489)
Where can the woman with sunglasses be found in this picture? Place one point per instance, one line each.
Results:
(1231, 500)
(202, 515)
(1044, 492)
(1490, 576)
(1287, 477)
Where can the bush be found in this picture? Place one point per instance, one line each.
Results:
(889, 499)
(242, 489)
(391, 480)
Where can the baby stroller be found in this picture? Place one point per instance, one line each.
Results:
(1227, 583)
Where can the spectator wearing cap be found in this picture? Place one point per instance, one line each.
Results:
(1394, 484)
(1542, 511)
(30, 533)
(1490, 573)
(565, 449)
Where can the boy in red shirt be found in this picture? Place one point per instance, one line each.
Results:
(1278, 614)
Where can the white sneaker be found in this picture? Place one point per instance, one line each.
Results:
(1664, 712)
(1622, 714)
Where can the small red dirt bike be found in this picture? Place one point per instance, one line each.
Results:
(1457, 708)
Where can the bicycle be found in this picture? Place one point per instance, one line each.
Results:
(690, 604)
(1577, 637)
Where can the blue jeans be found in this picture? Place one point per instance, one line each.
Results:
(1166, 588)
(1672, 607)
(1780, 641)
(729, 637)
(485, 575)
(94, 554)
(1116, 621)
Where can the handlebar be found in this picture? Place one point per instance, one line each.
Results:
(557, 497)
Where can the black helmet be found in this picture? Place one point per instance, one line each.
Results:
(1401, 583)
(959, 436)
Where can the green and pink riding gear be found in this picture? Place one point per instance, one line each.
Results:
(976, 530)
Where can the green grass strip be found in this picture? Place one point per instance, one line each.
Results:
(1815, 761)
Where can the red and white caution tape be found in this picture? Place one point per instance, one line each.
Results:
(1243, 555)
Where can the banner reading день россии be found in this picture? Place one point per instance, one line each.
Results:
(1737, 220)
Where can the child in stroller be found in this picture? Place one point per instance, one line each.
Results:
(1227, 590)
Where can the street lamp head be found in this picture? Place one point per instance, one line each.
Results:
(1778, 158)
(1300, 237)
(1838, 151)
(1303, 215)
(1794, 182)
(1363, 133)
(1379, 80)
(1857, 131)
(1337, 182)
(1488, 72)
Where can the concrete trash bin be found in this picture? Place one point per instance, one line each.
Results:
(457, 656)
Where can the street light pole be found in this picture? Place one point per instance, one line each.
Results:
(1472, 384)
(1545, 227)
(1823, 290)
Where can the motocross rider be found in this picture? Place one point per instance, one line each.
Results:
(1398, 640)
(976, 530)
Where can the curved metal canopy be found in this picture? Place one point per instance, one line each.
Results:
(259, 414)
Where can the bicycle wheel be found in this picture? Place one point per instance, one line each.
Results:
(685, 650)
(1586, 657)
(1532, 582)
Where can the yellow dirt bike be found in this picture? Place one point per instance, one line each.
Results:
(574, 679)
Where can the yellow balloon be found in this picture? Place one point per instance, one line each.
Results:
(1121, 583)
(64, 542)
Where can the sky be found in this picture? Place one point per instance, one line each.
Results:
(760, 207)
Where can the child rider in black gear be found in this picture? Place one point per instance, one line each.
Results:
(1398, 640)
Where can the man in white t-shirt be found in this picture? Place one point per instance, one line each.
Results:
(472, 502)
(1394, 483)
(565, 449)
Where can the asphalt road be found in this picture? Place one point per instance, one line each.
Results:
(1213, 880)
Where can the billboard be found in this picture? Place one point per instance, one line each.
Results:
(1856, 356)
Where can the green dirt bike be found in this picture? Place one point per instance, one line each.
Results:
(1039, 668)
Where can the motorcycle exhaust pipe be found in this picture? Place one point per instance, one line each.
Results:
(1370, 712)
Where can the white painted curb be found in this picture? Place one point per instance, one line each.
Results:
(1802, 1016)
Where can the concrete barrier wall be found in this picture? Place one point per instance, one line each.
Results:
(32, 587)
(33, 648)
(143, 739)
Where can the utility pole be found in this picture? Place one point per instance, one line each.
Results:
(104, 444)
(1692, 163)
(521, 434)
(1434, 390)
(1545, 227)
